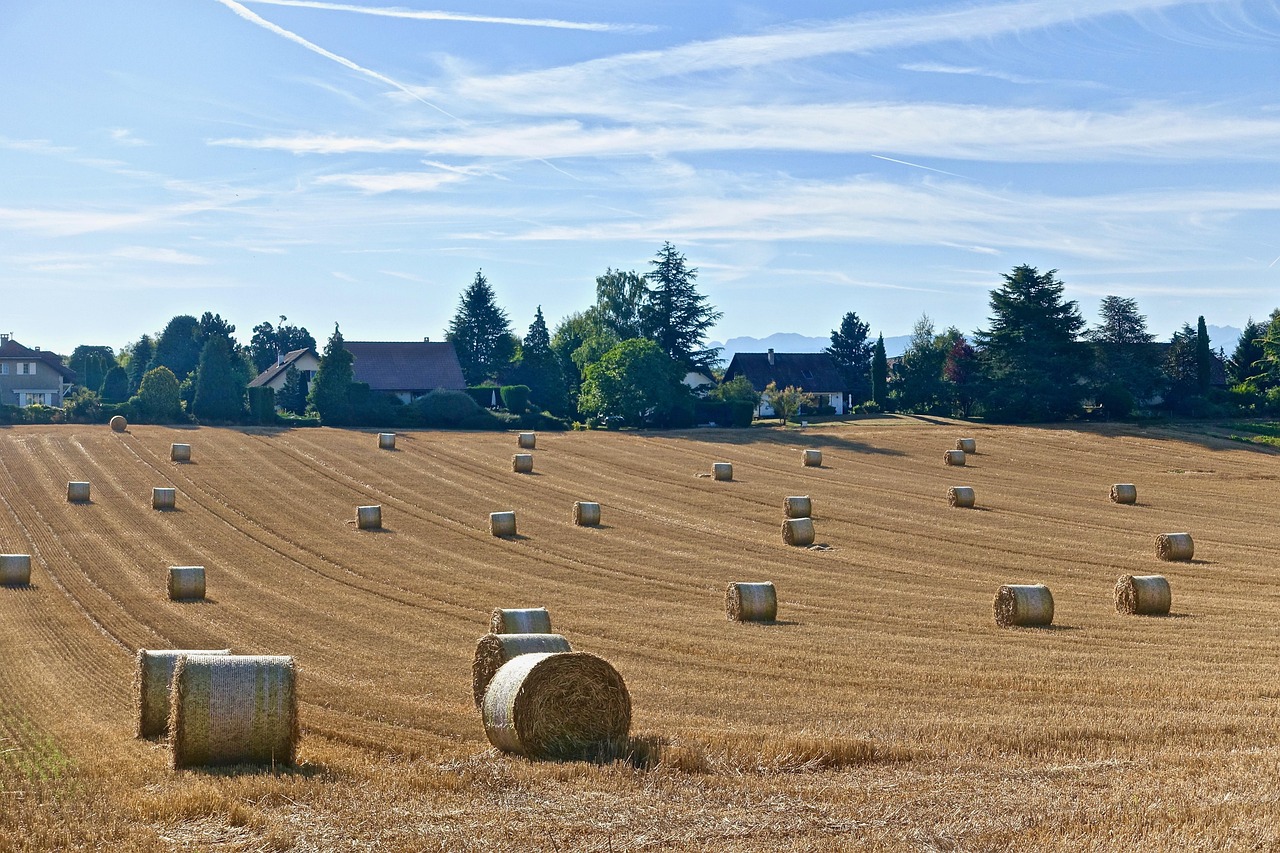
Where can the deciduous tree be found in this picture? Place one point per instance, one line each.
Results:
(638, 383)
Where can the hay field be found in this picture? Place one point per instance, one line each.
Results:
(884, 711)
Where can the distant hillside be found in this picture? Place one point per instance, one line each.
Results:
(1224, 337)
(791, 342)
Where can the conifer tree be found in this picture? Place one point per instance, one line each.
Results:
(331, 386)
(675, 315)
(481, 333)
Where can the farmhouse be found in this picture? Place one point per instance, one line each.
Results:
(31, 377)
(813, 372)
(406, 369)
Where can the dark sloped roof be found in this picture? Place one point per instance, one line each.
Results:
(810, 371)
(276, 369)
(406, 365)
(12, 349)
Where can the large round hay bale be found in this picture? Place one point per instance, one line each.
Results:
(797, 506)
(811, 458)
(386, 441)
(586, 513)
(180, 452)
(234, 709)
(1143, 595)
(566, 705)
(751, 602)
(961, 496)
(493, 650)
(1023, 604)
(722, 471)
(77, 491)
(164, 498)
(1175, 547)
(968, 445)
(1124, 493)
(15, 569)
(369, 517)
(954, 457)
(520, 620)
(522, 463)
(502, 523)
(186, 583)
(152, 679)
(798, 531)
(118, 423)
(527, 441)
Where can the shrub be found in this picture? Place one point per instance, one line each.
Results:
(83, 407)
(158, 399)
(443, 408)
(515, 398)
(484, 395)
(1115, 400)
(262, 405)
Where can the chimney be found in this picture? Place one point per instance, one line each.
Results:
(5, 336)
(771, 356)
(426, 340)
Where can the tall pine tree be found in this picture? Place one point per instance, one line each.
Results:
(851, 351)
(481, 333)
(219, 395)
(539, 368)
(879, 374)
(1204, 357)
(331, 387)
(675, 315)
(1244, 361)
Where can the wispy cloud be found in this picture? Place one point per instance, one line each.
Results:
(423, 15)
(393, 181)
(124, 136)
(159, 255)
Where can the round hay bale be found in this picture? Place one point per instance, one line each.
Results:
(954, 457)
(164, 498)
(798, 531)
(811, 458)
(722, 471)
(234, 709)
(527, 441)
(1124, 493)
(968, 445)
(751, 602)
(522, 463)
(493, 650)
(180, 452)
(1175, 547)
(15, 569)
(566, 705)
(118, 423)
(77, 491)
(369, 517)
(961, 496)
(386, 441)
(186, 583)
(520, 620)
(797, 506)
(152, 679)
(586, 513)
(502, 523)
(1023, 604)
(1143, 595)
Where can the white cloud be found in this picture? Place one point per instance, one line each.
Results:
(423, 15)
(158, 255)
(394, 181)
(124, 136)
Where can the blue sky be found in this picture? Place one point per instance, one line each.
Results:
(358, 163)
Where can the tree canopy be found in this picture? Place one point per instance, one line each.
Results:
(635, 382)
(852, 353)
(331, 387)
(481, 333)
(676, 316)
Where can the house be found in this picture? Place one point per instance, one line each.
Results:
(813, 372)
(699, 382)
(31, 377)
(406, 369)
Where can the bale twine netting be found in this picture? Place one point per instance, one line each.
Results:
(1023, 604)
(522, 463)
(797, 506)
(164, 498)
(493, 650)
(1143, 595)
(1175, 547)
(152, 679)
(180, 452)
(77, 491)
(565, 705)
(369, 517)
(722, 471)
(586, 513)
(798, 531)
(751, 602)
(520, 620)
(1124, 493)
(968, 445)
(961, 496)
(234, 709)
(502, 523)
(811, 458)
(954, 457)
(386, 441)
(186, 583)
(527, 441)
(118, 423)
(15, 569)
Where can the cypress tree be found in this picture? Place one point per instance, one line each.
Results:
(219, 395)
(330, 387)
(1204, 358)
(879, 373)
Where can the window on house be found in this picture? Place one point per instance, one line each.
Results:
(4, 369)
(26, 368)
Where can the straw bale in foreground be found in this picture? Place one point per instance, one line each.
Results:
(234, 709)
(152, 679)
(77, 491)
(811, 458)
(186, 583)
(502, 523)
(722, 471)
(1143, 595)
(1124, 493)
(797, 506)
(520, 620)
(180, 452)
(493, 650)
(751, 602)
(164, 498)
(954, 457)
(386, 441)
(527, 441)
(586, 513)
(968, 445)
(1023, 604)
(798, 531)
(15, 569)
(961, 496)
(522, 463)
(369, 517)
(1175, 547)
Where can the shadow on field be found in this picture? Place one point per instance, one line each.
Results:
(1211, 435)
(194, 601)
(305, 770)
(757, 435)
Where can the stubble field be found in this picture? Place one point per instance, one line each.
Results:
(885, 710)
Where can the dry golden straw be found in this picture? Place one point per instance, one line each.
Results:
(15, 569)
(369, 517)
(811, 458)
(722, 470)
(961, 496)
(1124, 493)
(1023, 604)
(566, 705)
(386, 441)
(118, 423)
(493, 650)
(1175, 547)
(798, 531)
(152, 679)
(162, 498)
(502, 523)
(234, 709)
(77, 491)
(968, 445)
(522, 463)
(954, 457)
(180, 452)
(520, 620)
(751, 602)
(586, 513)
(527, 440)
(1143, 595)
(797, 506)
(186, 583)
